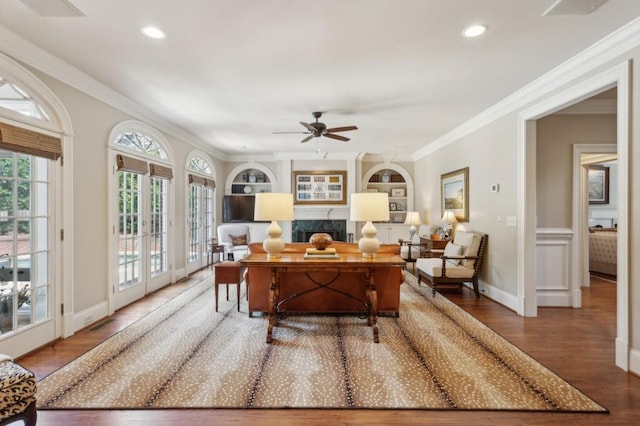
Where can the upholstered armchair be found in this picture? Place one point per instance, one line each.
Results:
(235, 238)
(460, 262)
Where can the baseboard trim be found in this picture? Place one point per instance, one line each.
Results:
(90, 315)
(498, 295)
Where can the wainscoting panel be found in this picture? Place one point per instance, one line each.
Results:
(553, 267)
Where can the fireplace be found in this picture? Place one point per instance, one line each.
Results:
(303, 229)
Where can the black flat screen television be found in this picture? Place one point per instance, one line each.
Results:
(238, 208)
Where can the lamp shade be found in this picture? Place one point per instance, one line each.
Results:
(273, 206)
(369, 206)
(449, 217)
(413, 218)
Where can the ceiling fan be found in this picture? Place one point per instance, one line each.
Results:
(317, 129)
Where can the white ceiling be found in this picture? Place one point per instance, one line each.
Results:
(233, 71)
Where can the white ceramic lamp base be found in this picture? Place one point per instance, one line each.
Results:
(369, 244)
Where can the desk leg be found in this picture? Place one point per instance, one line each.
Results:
(273, 300)
(373, 304)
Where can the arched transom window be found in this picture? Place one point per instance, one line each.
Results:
(141, 143)
(13, 98)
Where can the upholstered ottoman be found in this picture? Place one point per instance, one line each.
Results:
(17, 393)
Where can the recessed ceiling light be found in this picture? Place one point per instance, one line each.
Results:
(153, 32)
(475, 30)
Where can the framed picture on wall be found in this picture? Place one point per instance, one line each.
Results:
(319, 187)
(454, 194)
(598, 184)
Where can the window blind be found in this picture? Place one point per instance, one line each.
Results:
(156, 170)
(196, 180)
(26, 141)
(130, 164)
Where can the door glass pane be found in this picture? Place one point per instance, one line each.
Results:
(207, 214)
(157, 242)
(129, 256)
(194, 222)
(24, 249)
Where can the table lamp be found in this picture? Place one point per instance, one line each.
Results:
(273, 206)
(367, 207)
(448, 218)
(412, 219)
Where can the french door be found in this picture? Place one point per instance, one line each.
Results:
(27, 291)
(142, 248)
(201, 226)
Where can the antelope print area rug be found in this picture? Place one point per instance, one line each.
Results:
(186, 355)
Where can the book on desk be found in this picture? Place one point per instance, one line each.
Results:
(328, 253)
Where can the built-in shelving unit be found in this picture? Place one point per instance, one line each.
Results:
(249, 182)
(398, 183)
(394, 184)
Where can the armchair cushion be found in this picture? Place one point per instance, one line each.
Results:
(451, 250)
(433, 267)
(238, 240)
(470, 242)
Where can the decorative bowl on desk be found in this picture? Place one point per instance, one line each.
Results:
(320, 240)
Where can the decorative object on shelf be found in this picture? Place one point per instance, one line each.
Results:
(252, 178)
(386, 178)
(397, 192)
(319, 187)
(448, 219)
(598, 184)
(320, 240)
(412, 219)
(369, 206)
(393, 207)
(454, 193)
(400, 207)
(273, 206)
(247, 189)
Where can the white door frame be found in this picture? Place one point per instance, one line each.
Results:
(618, 76)
(580, 217)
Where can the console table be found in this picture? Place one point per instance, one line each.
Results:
(347, 263)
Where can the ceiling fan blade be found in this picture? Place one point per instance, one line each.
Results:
(309, 127)
(283, 133)
(338, 137)
(307, 139)
(341, 129)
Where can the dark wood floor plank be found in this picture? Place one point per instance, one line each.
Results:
(577, 344)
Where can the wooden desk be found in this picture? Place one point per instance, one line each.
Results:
(296, 262)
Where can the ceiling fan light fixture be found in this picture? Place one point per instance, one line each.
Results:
(475, 30)
(153, 32)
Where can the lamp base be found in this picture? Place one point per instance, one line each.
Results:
(274, 244)
(412, 232)
(369, 244)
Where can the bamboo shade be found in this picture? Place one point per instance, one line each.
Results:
(196, 180)
(156, 170)
(129, 164)
(209, 183)
(25, 141)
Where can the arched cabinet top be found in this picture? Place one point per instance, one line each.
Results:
(250, 178)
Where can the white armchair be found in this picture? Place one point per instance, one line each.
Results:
(235, 237)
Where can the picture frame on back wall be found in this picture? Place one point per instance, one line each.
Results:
(320, 187)
(598, 184)
(454, 193)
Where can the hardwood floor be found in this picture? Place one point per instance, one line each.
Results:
(577, 344)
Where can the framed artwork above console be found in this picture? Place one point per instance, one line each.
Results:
(320, 187)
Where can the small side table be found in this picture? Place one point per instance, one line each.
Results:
(410, 244)
(228, 273)
(215, 249)
(427, 245)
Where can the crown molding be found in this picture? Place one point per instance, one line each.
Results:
(28, 53)
(607, 49)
